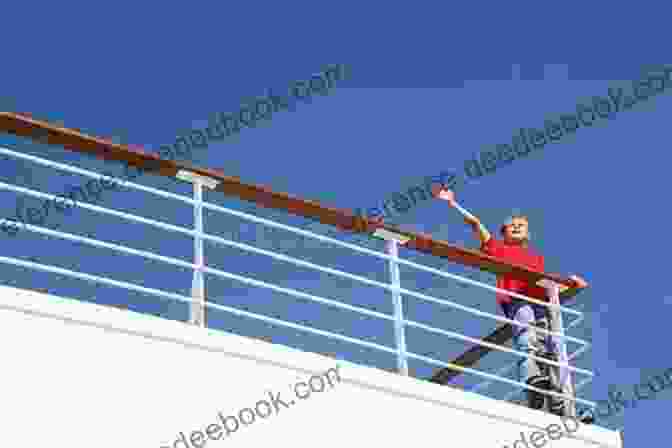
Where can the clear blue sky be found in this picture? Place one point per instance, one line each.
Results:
(428, 87)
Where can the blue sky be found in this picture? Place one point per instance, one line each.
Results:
(428, 87)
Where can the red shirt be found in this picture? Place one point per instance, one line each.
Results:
(516, 255)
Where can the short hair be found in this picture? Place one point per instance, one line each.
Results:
(509, 221)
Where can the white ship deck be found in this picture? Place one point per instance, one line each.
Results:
(82, 375)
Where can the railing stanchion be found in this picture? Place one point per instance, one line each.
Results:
(197, 307)
(565, 377)
(402, 362)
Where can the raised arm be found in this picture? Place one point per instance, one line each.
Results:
(480, 231)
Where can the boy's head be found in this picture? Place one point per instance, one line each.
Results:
(516, 230)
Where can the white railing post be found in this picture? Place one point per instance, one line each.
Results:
(392, 248)
(197, 307)
(564, 375)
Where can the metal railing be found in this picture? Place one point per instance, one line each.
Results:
(199, 303)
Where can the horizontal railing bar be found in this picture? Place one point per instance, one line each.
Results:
(499, 372)
(285, 323)
(92, 278)
(570, 357)
(493, 346)
(95, 175)
(491, 316)
(296, 293)
(486, 286)
(97, 208)
(112, 246)
(513, 393)
(296, 230)
(490, 376)
(510, 366)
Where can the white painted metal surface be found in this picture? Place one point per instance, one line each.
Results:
(80, 375)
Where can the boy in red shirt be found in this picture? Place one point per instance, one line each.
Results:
(514, 248)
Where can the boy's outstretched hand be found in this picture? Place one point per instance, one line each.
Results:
(441, 192)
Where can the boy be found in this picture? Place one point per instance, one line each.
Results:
(514, 248)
